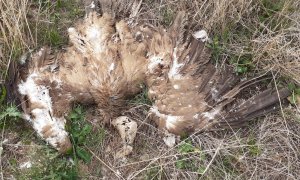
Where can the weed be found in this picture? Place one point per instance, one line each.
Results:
(227, 163)
(47, 164)
(16, 51)
(254, 149)
(153, 173)
(79, 129)
(3, 94)
(201, 170)
(271, 7)
(186, 147)
(60, 15)
(185, 161)
(218, 45)
(216, 48)
(242, 64)
(295, 97)
(10, 111)
(168, 16)
(54, 38)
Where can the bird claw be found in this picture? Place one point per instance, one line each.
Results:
(125, 151)
(169, 139)
(127, 129)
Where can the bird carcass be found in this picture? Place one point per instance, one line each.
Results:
(107, 61)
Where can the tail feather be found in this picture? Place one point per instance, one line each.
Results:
(177, 30)
(11, 83)
(259, 102)
(265, 102)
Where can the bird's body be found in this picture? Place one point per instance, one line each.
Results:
(106, 64)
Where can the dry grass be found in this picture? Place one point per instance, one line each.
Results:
(267, 149)
(14, 24)
(265, 31)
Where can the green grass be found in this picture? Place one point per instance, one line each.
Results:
(153, 173)
(56, 17)
(47, 163)
(61, 16)
(295, 97)
(242, 64)
(189, 162)
(167, 16)
(79, 129)
(10, 111)
(254, 149)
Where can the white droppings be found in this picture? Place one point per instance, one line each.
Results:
(151, 91)
(176, 86)
(24, 58)
(173, 72)
(93, 33)
(190, 106)
(201, 35)
(111, 67)
(5, 141)
(211, 115)
(154, 62)
(71, 30)
(92, 5)
(26, 165)
(196, 116)
(214, 94)
(40, 53)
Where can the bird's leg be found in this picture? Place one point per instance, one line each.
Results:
(169, 139)
(161, 120)
(127, 129)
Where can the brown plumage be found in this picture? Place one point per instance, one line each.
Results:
(107, 62)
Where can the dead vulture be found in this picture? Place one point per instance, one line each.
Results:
(106, 63)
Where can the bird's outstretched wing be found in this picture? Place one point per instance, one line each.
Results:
(191, 94)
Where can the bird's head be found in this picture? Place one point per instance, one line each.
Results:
(37, 106)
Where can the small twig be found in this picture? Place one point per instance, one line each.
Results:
(110, 168)
(213, 158)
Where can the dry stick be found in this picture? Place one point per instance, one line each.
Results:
(189, 153)
(110, 168)
(161, 156)
(288, 132)
(27, 24)
(213, 158)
